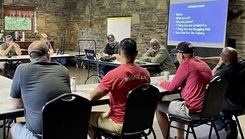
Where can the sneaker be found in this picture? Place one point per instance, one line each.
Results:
(231, 130)
(220, 124)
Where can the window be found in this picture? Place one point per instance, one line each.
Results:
(19, 18)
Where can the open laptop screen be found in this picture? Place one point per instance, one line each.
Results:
(90, 54)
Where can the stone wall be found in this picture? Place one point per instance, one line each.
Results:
(86, 19)
(236, 26)
(52, 18)
(149, 19)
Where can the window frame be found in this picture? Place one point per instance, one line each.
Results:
(19, 11)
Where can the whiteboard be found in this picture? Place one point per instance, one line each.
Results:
(120, 27)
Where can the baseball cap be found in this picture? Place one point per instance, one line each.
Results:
(183, 47)
(110, 37)
(43, 35)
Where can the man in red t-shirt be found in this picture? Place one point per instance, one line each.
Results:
(192, 77)
(117, 83)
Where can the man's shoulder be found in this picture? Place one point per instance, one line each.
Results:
(163, 49)
(3, 45)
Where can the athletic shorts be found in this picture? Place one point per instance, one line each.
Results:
(176, 107)
(103, 121)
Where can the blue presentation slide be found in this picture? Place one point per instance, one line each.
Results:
(203, 22)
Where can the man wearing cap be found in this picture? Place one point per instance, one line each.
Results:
(44, 38)
(32, 88)
(158, 54)
(111, 49)
(192, 76)
(9, 48)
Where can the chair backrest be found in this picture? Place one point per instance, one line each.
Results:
(214, 95)
(66, 116)
(140, 108)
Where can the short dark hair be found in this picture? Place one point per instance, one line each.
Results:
(128, 46)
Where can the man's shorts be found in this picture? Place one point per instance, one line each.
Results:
(20, 131)
(176, 107)
(103, 121)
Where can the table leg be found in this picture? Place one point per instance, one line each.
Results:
(4, 128)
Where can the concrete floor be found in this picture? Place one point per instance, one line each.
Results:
(202, 131)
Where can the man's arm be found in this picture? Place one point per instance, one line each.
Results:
(147, 56)
(105, 53)
(217, 67)
(96, 94)
(160, 56)
(50, 48)
(17, 103)
(213, 60)
(15, 92)
(17, 48)
(4, 52)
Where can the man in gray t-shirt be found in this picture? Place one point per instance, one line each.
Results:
(34, 84)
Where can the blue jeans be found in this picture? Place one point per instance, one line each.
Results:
(220, 122)
(103, 71)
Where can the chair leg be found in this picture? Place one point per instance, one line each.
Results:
(239, 126)
(154, 134)
(215, 129)
(9, 122)
(169, 126)
(193, 132)
(210, 131)
(187, 132)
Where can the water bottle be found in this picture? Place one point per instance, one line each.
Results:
(73, 84)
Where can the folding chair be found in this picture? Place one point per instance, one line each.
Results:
(213, 98)
(139, 114)
(66, 116)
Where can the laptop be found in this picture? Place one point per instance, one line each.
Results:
(90, 54)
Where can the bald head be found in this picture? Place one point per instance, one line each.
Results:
(37, 49)
(229, 55)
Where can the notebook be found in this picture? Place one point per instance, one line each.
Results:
(90, 54)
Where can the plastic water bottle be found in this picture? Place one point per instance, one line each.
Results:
(166, 75)
(73, 84)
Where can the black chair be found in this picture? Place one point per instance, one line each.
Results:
(237, 113)
(213, 98)
(139, 114)
(66, 116)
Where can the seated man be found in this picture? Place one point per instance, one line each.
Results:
(192, 77)
(128, 77)
(111, 49)
(158, 54)
(229, 67)
(35, 84)
(9, 48)
(44, 38)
